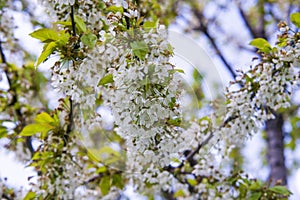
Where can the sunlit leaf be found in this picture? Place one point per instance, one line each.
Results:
(106, 79)
(30, 196)
(43, 118)
(48, 50)
(105, 185)
(192, 182)
(80, 23)
(295, 18)
(262, 44)
(179, 193)
(115, 9)
(45, 35)
(32, 129)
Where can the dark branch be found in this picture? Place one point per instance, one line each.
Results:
(15, 100)
(3, 58)
(73, 21)
(245, 19)
(204, 29)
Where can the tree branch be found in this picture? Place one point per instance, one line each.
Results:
(15, 100)
(204, 29)
(245, 19)
(73, 21)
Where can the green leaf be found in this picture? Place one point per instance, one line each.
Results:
(115, 9)
(255, 196)
(117, 181)
(48, 50)
(63, 39)
(80, 23)
(105, 185)
(256, 185)
(295, 18)
(262, 44)
(177, 70)
(89, 40)
(44, 118)
(139, 49)
(175, 122)
(280, 190)
(3, 131)
(106, 79)
(32, 129)
(67, 23)
(45, 35)
(101, 169)
(30, 196)
(150, 25)
(192, 182)
(179, 193)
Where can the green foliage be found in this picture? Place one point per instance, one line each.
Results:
(106, 79)
(139, 49)
(278, 189)
(262, 44)
(105, 185)
(30, 196)
(45, 35)
(52, 39)
(151, 24)
(43, 124)
(48, 49)
(115, 9)
(80, 24)
(89, 39)
(295, 18)
(3, 131)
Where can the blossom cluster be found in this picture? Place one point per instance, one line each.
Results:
(131, 72)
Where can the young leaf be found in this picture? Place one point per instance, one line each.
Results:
(115, 9)
(30, 196)
(280, 190)
(192, 182)
(80, 23)
(43, 118)
(117, 181)
(139, 49)
(262, 44)
(295, 18)
(89, 40)
(32, 129)
(48, 50)
(255, 196)
(150, 25)
(106, 79)
(105, 185)
(179, 193)
(45, 35)
(3, 131)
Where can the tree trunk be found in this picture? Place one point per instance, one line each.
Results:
(276, 151)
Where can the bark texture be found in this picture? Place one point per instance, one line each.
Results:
(275, 155)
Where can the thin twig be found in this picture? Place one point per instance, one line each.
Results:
(73, 21)
(15, 99)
